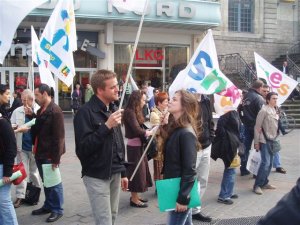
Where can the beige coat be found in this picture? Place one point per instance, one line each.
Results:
(18, 117)
(155, 120)
(267, 119)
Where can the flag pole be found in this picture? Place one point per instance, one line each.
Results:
(32, 75)
(143, 155)
(133, 54)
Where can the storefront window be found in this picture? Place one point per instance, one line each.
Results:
(20, 81)
(84, 59)
(122, 59)
(176, 60)
(149, 61)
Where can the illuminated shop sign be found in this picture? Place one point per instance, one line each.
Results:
(159, 11)
(149, 54)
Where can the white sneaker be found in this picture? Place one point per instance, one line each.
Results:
(257, 190)
(269, 186)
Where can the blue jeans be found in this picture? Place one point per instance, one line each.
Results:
(7, 211)
(249, 135)
(276, 160)
(265, 166)
(54, 198)
(180, 218)
(227, 184)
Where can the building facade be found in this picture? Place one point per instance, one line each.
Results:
(171, 32)
(268, 27)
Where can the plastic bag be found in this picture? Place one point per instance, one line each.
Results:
(254, 161)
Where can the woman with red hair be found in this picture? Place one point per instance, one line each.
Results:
(159, 112)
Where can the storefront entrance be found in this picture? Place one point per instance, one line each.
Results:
(153, 63)
(149, 75)
(82, 77)
(17, 79)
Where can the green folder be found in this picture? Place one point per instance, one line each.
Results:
(167, 193)
(51, 177)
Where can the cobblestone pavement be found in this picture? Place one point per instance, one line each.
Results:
(78, 211)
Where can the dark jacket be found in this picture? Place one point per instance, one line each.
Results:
(76, 99)
(16, 103)
(286, 210)
(227, 138)
(95, 142)
(251, 105)
(50, 131)
(208, 132)
(8, 145)
(180, 153)
(132, 127)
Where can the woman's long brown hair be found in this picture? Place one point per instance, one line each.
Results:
(189, 116)
(134, 103)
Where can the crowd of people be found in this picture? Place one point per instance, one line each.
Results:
(184, 133)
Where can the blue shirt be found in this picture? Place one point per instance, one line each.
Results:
(26, 139)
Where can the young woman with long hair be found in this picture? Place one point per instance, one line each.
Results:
(133, 120)
(180, 151)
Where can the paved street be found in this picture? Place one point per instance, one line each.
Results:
(78, 211)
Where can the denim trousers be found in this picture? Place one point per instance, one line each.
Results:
(32, 173)
(54, 198)
(202, 169)
(276, 160)
(104, 198)
(249, 136)
(265, 166)
(180, 218)
(7, 211)
(227, 184)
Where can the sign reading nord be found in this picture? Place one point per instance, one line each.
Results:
(159, 11)
(168, 9)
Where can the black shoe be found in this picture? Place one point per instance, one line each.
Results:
(245, 173)
(225, 201)
(144, 200)
(41, 211)
(199, 216)
(53, 217)
(139, 205)
(280, 170)
(234, 196)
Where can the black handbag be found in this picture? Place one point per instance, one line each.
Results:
(274, 144)
(152, 150)
(32, 194)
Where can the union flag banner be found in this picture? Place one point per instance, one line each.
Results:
(12, 12)
(58, 42)
(279, 82)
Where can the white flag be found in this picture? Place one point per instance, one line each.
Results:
(58, 42)
(277, 80)
(12, 12)
(130, 5)
(133, 84)
(223, 104)
(202, 74)
(45, 74)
